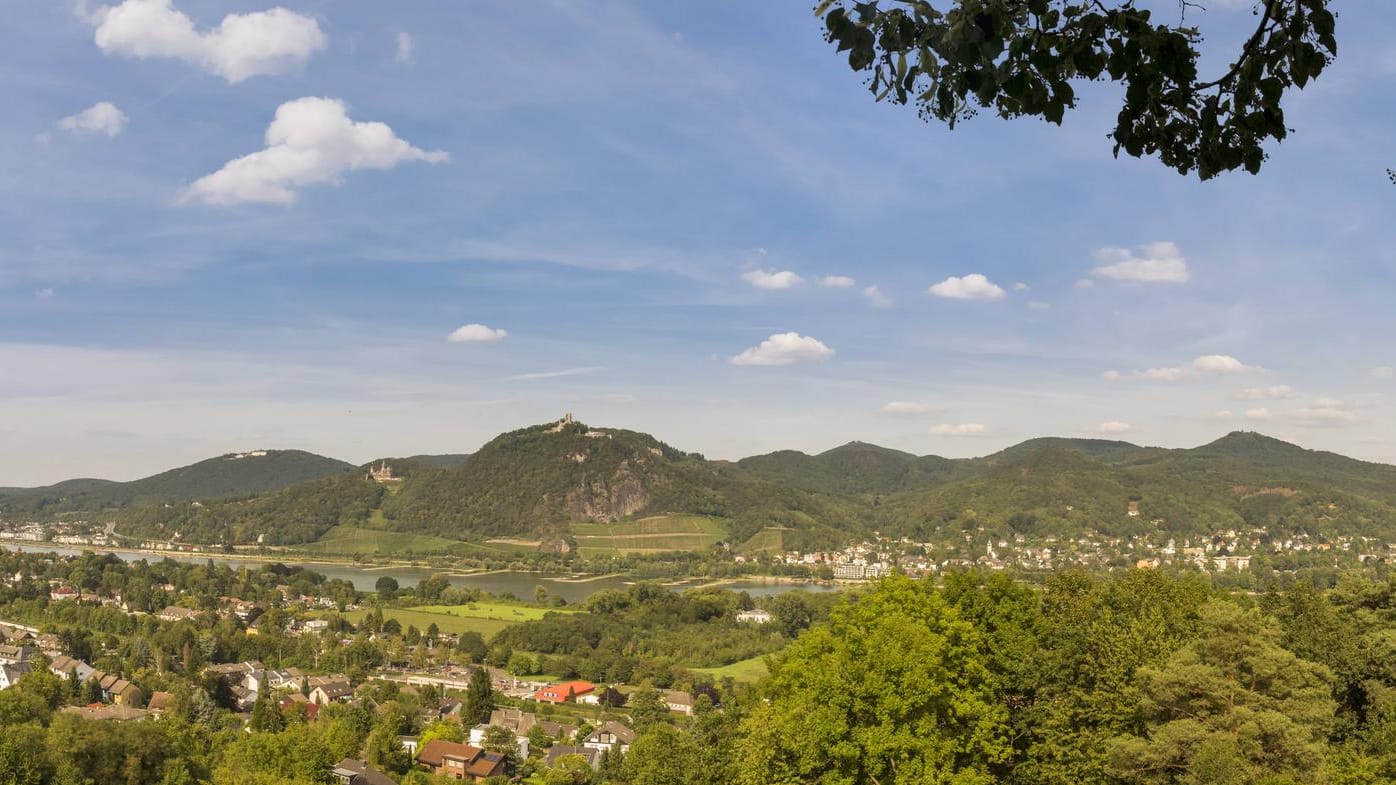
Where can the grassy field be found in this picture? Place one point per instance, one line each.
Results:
(486, 618)
(493, 610)
(743, 670)
(444, 621)
(349, 540)
(648, 535)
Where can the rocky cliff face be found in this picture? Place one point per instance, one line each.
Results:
(603, 499)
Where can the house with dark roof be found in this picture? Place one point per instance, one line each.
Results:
(591, 756)
(14, 653)
(358, 772)
(329, 689)
(11, 673)
(611, 736)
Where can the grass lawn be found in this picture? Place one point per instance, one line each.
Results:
(486, 618)
(654, 534)
(743, 670)
(444, 621)
(349, 540)
(493, 610)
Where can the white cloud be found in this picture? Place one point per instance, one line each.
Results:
(406, 48)
(1021, 287)
(311, 141)
(1383, 372)
(1152, 263)
(1260, 413)
(837, 281)
(45, 294)
(906, 408)
(876, 298)
(100, 118)
(1084, 283)
(763, 279)
(958, 429)
(784, 349)
(1221, 363)
(1205, 365)
(971, 287)
(1114, 427)
(242, 46)
(477, 333)
(1273, 393)
(1224, 414)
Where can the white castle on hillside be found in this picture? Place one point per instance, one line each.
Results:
(384, 473)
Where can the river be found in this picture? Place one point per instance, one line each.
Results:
(520, 584)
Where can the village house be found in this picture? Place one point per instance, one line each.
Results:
(10, 674)
(461, 761)
(16, 653)
(564, 692)
(64, 666)
(357, 772)
(611, 736)
(120, 691)
(176, 613)
(610, 697)
(520, 723)
(114, 713)
(591, 756)
(756, 616)
(325, 690)
(679, 701)
(159, 703)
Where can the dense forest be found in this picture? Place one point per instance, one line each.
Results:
(1136, 678)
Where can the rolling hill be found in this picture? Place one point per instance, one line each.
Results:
(227, 476)
(614, 491)
(537, 481)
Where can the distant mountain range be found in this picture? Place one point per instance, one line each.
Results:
(549, 482)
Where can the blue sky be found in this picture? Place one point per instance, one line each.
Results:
(618, 188)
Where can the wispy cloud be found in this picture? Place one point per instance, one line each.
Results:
(520, 377)
(1206, 365)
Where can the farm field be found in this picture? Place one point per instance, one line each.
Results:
(654, 534)
(750, 670)
(486, 618)
(492, 610)
(769, 540)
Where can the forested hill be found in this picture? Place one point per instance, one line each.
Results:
(536, 481)
(227, 476)
(559, 480)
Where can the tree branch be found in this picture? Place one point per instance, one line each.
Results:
(1246, 51)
